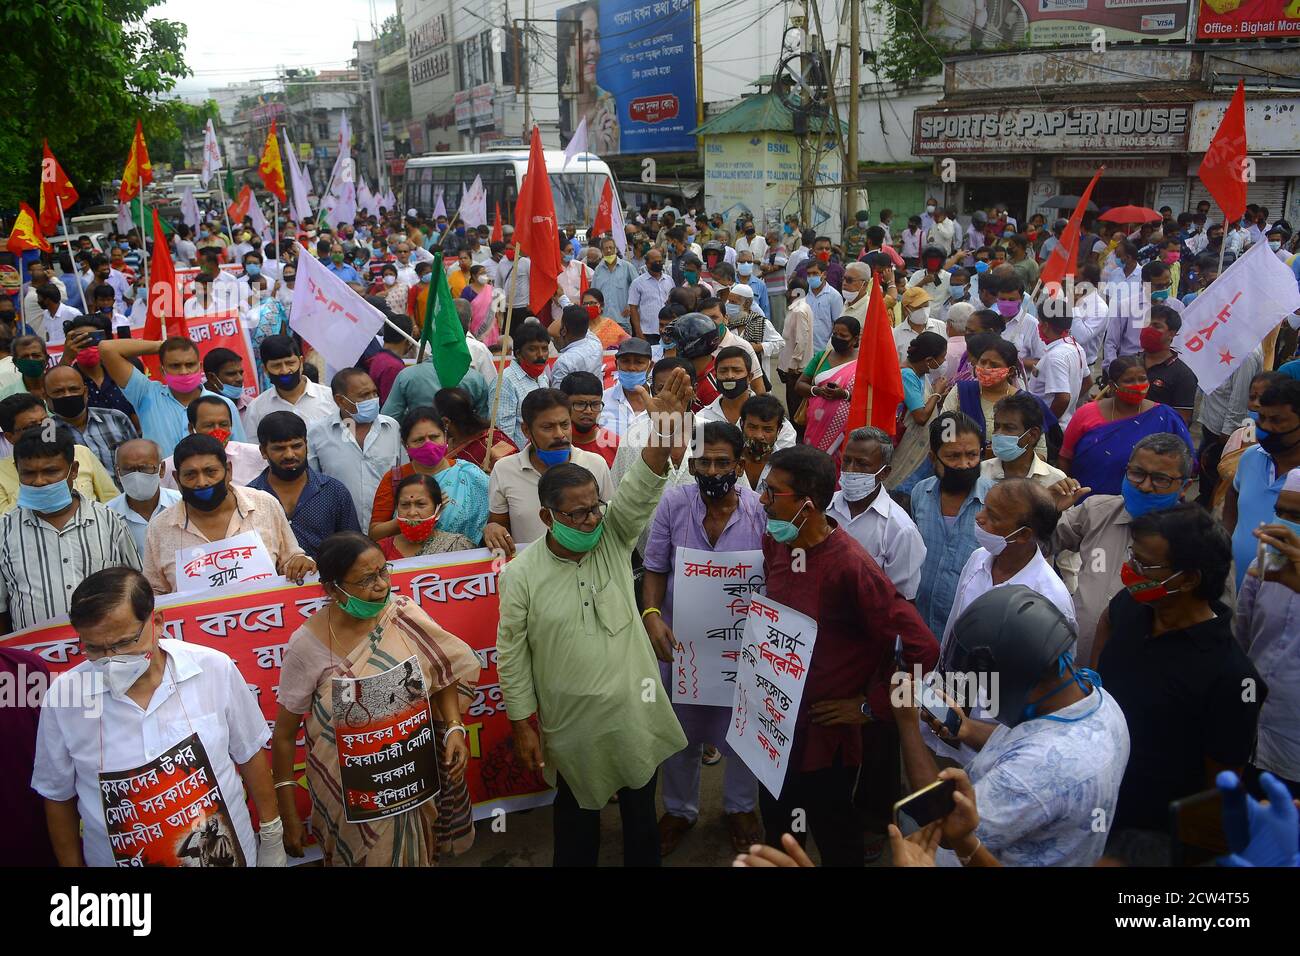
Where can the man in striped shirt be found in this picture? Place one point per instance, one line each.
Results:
(55, 537)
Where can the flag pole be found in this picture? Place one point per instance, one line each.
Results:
(144, 248)
(1223, 243)
(85, 306)
(501, 367)
(225, 213)
(276, 200)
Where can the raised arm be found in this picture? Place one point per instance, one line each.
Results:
(116, 353)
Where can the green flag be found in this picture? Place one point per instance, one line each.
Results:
(442, 330)
(232, 190)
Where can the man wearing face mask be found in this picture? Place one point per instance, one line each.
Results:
(139, 470)
(1017, 428)
(732, 372)
(711, 514)
(586, 400)
(99, 429)
(134, 676)
(871, 517)
(647, 296)
(162, 405)
(916, 319)
(317, 505)
(813, 566)
(579, 349)
(291, 390)
(944, 507)
(614, 276)
(623, 401)
(547, 427)
(208, 415)
(21, 412)
(224, 375)
(1276, 239)
(1049, 712)
(831, 269)
(825, 301)
(525, 374)
(1262, 470)
(1168, 620)
(56, 535)
(1172, 382)
(749, 273)
(357, 445)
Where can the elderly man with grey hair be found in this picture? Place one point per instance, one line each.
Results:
(139, 470)
(856, 286)
(864, 509)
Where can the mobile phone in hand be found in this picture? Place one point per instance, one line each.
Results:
(918, 810)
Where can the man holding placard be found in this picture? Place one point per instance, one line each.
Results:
(692, 523)
(814, 567)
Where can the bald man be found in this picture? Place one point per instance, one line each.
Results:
(139, 471)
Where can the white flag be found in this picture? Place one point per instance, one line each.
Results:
(189, 208)
(473, 208)
(364, 198)
(1233, 315)
(439, 207)
(329, 314)
(617, 226)
(211, 154)
(388, 200)
(260, 225)
(299, 208)
(577, 144)
(124, 223)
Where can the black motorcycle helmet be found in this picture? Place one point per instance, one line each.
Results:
(1015, 633)
(692, 335)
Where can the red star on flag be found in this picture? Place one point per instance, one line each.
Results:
(1225, 357)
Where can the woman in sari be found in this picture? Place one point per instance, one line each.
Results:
(419, 504)
(396, 293)
(925, 354)
(1101, 435)
(363, 631)
(467, 433)
(463, 484)
(826, 385)
(1241, 439)
(478, 281)
(997, 374)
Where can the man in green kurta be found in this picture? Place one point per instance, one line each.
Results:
(571, 649)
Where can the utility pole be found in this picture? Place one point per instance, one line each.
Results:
(850, 174)
(699, 83)
(799, 21)
(380, 172)
(528, 80)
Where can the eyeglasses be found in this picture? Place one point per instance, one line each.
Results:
(95, 653)
(583, 515)
(765, 489)
(586, 406)
(715, 464)
(370, 580)
(1146, 569)
(1160, 482)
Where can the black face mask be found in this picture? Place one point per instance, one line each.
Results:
(288, 381)
(717, 486)
(69, 406)
(655, 267)
(959, 480)
(757, 449)
(732, 387)
(841, 345)
(211, 497)
(288, 474)
(1275, 442)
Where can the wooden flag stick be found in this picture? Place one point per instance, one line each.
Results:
(501, 368)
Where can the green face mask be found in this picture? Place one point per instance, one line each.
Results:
(362, 609)
(572, 539)
(32, 368)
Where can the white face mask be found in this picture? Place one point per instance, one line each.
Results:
(140, 487)
(390, 280)
(992, 543)
(121, 671)
(858, 485)
(918, 316)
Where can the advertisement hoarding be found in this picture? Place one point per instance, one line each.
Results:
(1247, 19)
(999, 24)
(628, 67)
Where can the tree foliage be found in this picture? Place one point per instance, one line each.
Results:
(79, 73)
(909, 55)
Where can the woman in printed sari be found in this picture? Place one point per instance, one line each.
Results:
(1101, 435)
(362, 631)
(463, 484)
(925, 354)
(996, 375)
(419, 504)
(826, 385)
(467, 432)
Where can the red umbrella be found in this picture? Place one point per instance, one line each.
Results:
(1130, 214)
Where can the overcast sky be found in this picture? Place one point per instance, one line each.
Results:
(235, 40)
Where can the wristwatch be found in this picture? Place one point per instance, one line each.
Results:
(866, 709)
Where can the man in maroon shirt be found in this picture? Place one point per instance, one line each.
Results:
(385, 365)
(815, 567)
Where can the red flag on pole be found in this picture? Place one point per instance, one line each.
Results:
(1065, 254)
(878, 381)
(57, 192)
(139, 171)
(269, 167)
(238, 209)
(537, 231)
(165, 309)
(26, 233)
(604, 213)
(1223, 168)
(498, 233)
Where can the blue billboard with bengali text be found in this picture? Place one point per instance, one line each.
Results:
(628, 66)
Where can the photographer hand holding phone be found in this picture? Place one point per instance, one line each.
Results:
(942, 813)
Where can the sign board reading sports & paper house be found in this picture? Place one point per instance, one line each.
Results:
(1052, 129)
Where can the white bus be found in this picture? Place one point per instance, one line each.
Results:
(576, 189)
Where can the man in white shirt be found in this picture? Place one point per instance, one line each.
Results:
(53, 313)
(624, 400)
(139, 699)
(916, 319)
(752, 242)
(733, 371)
(40, 278)
(933, 278)
(865, 510)
(943, 233)
(210, 415)
(291, 390)
(647, 295)
(1090, 312)
(1059, 375)
(800, 253)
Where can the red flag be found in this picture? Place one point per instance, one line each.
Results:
(165, 308)
(56, 190)
(537, 231)
(583, 284)
(1223, 166)
(238, 209)
(1065, 254)
(498, 234)
(26, 233)
(138, 171)
(878, 381)
(604, 213)
(270, 168)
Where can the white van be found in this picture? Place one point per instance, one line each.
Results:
(576, 188)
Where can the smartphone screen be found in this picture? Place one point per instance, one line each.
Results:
(932, 702)
(925, 806)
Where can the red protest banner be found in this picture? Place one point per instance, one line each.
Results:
(253, 624)
(225, 330)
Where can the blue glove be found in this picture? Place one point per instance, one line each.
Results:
(1259, 835)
